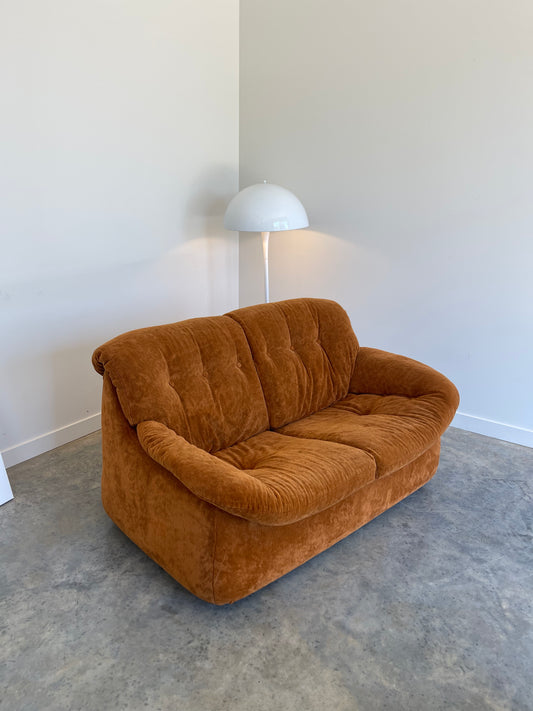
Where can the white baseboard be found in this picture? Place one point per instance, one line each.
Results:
(491, 428)
(44, 443)
(50, 440)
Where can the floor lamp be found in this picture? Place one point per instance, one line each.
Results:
(265, 208)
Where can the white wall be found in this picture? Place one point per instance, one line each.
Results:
(119, 125)
(406, 128)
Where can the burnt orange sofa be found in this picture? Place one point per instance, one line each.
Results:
(237, 447)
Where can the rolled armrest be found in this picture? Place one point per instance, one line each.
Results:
(381, 373)
(216, 481)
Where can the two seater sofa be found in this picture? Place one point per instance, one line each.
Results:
(237, 447)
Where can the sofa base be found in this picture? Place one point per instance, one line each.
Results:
(219, 557)
(249, 556)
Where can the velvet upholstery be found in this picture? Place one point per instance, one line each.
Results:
(304, 351)
(270, 478)
(249, 556)
(197, 377)
(159, 514)
(195, 473)
(397, 409)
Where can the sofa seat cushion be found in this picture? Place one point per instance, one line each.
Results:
(305, 475)
(269, 478)
(394, 429)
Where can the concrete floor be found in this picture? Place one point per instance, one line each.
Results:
(428, 607)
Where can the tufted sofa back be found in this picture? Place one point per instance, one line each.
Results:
(304, 351)
(196, 377)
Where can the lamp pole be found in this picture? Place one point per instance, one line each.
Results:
(265, 236)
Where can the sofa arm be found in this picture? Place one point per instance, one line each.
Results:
(380, 373)
(219, 483)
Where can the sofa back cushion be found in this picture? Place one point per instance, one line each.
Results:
(304, 351)
(197, 377)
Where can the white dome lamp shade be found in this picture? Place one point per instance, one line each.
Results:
(265, 208)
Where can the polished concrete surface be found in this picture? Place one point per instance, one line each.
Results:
(428, 607)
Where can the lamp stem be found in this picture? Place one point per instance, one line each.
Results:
(265, 236)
